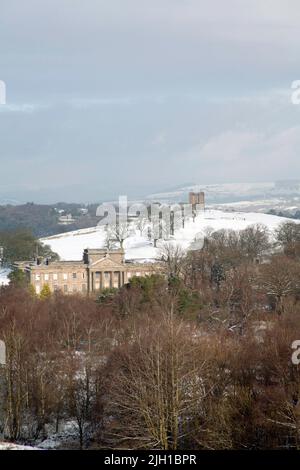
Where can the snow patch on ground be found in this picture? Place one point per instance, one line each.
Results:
(4, 272)
(11, 446)
(68, 432)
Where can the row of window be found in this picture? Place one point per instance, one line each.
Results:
(66, 276)
(65, 289)
(54, 276)
(74, 288)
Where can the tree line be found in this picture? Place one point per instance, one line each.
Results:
(21, 245)
(43, 219)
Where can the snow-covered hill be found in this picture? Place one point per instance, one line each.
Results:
(257, 197)
(70, 245)
(290, 206)
(232, 191)
(217, 192)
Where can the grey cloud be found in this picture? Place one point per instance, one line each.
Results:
(132, 95)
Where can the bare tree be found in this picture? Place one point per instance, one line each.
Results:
(158, 382)
(288, 237)
(278, 280)
(287, 233)
(142, 223)
(173, 257)
(254, 241)
(119, 232)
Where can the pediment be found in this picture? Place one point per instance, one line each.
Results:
(106, 263)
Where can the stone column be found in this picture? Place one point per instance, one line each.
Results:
(89, 281)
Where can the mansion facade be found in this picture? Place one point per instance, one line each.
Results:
(99, 269)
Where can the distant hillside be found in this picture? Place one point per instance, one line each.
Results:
(43, 220)
(260, 197)
(221, 193)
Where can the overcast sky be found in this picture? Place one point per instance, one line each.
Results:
(106, 97)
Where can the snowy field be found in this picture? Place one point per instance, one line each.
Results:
(70, 245)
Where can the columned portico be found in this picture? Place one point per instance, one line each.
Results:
(105, 279)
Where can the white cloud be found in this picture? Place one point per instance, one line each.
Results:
(235, 154)
(160, 139)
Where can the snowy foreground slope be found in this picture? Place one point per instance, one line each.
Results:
(11, 446)
(70, 245)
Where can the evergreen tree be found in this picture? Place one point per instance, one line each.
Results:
(18, 278)
(45, 292)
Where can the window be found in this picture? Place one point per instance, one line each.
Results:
(65, 276)
(107, 276)
(65, 288)
(83, 287)
(74, 275)
(37, 277)
(38, 289)
(55, 287)
(74, 288)
(46, 277)
(54, 277)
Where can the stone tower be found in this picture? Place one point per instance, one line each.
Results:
(197, 200)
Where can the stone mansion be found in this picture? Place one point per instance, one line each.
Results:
(98, 270)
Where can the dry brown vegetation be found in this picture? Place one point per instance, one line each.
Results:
(199, 358)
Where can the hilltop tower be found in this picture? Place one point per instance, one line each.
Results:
(197, 200)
